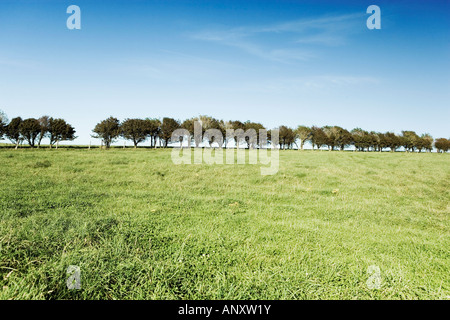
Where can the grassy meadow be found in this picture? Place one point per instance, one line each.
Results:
(140, 227)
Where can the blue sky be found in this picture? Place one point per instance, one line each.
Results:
(274, 62)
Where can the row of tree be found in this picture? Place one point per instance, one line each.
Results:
(33, 131)
(332, 137)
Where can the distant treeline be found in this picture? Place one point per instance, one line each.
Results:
(33, 131)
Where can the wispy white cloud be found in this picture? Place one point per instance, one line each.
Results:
(328, 30)
(305, 84)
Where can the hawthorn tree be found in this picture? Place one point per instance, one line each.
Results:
(252, 142)
(12, 131)
(409, 140)
(362, 139)
(188, 124)
(343, 137)
(44, 122)
(303, 133)
(373, 141)
(237, 126)
(442, 144)
(3, 123)
(287, 137)
(382, 141)
(393, 142)
(108, 130)
(59, 130)
(426, 142)
(154, 128)
(331, 138)
(136, 130)
(29, 130)
(318, 137)
(168, 126)
(212, 123)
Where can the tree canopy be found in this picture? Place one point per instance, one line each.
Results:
(107, 130)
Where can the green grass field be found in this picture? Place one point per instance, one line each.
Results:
(140, 227)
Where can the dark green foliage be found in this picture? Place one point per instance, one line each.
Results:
(361, 139)
(12, 131)
(287, 137)
(3, 123)
(107, 130)
(335, 137)
(318, 137)
(409, 140)
(29, 130)
(154, 128)
(136, 130)
(442, 144)
(60, 130)
(303, 133)
(44, 122)
(248, 125)
(168, 126)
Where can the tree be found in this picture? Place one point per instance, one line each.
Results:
(29, 130)
(373, 140)
(393, 141)
(331, 137)
(3, 123)
(12, 131)
(188, 124)
(361, 139)
(442, 144)
(287, 137)
(410, 140)
(227, 125)
(337, 137)
(318, 137)
(248, 125)
(237, 125)
(343, 137)
(212, 123)
(303, 133)
(168, 126)
(59, 130)
(44, 122)
(136, 130)
(107, 130)
(425, 142)
(154, 128)
(382, 141)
